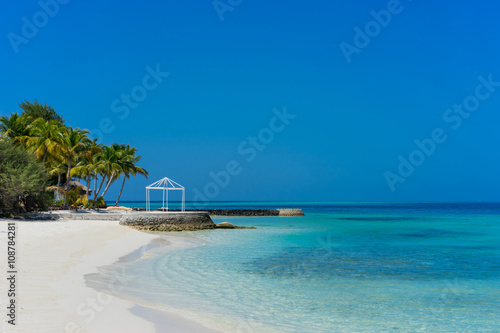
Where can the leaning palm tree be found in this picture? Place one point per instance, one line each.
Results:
(72, 143)
(85, 167)
(129, 167)
(96, 166)
(110, 166)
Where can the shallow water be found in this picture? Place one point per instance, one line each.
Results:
(344, 267)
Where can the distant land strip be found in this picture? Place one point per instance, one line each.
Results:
(241, 212)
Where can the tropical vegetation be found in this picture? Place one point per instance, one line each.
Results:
(64, 154)
(22, 180)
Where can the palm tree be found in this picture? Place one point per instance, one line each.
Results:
(86, 167)
(56, 167)
(97, 169)
(109, 167)
(72, 143)
(129, 167)
(44, 138)
(15, 127)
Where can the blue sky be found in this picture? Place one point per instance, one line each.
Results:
(353, 117)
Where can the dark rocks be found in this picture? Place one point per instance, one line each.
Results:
(242, 212)
(234, 212)
(247, 212)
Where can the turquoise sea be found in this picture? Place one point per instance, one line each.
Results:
(344, 267)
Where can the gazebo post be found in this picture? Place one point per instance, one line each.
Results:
(183, 199)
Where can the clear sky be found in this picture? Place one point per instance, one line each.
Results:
(193, 85)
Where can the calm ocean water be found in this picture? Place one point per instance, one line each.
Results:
(344, 267)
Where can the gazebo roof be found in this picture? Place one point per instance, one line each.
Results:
(165, 184)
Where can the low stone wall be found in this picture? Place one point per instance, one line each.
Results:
(81, 215)
(171, 221)
(90, 216)
(36, 217)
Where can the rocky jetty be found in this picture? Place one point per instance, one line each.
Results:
(244, 212)
(172, 221)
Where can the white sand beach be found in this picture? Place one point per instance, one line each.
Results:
(52, 259)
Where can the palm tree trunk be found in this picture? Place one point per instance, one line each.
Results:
(99, 189)
(58, 184)
(67, 184)
(88, 186)
(95, 187)
(59, 179)
(68, 175)
(108, 184)
(119, 195)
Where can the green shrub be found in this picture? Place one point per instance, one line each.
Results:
(22, 181)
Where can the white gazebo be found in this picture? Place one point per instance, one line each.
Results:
(165, 185)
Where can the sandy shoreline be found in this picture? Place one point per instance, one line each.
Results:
(52, 260)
